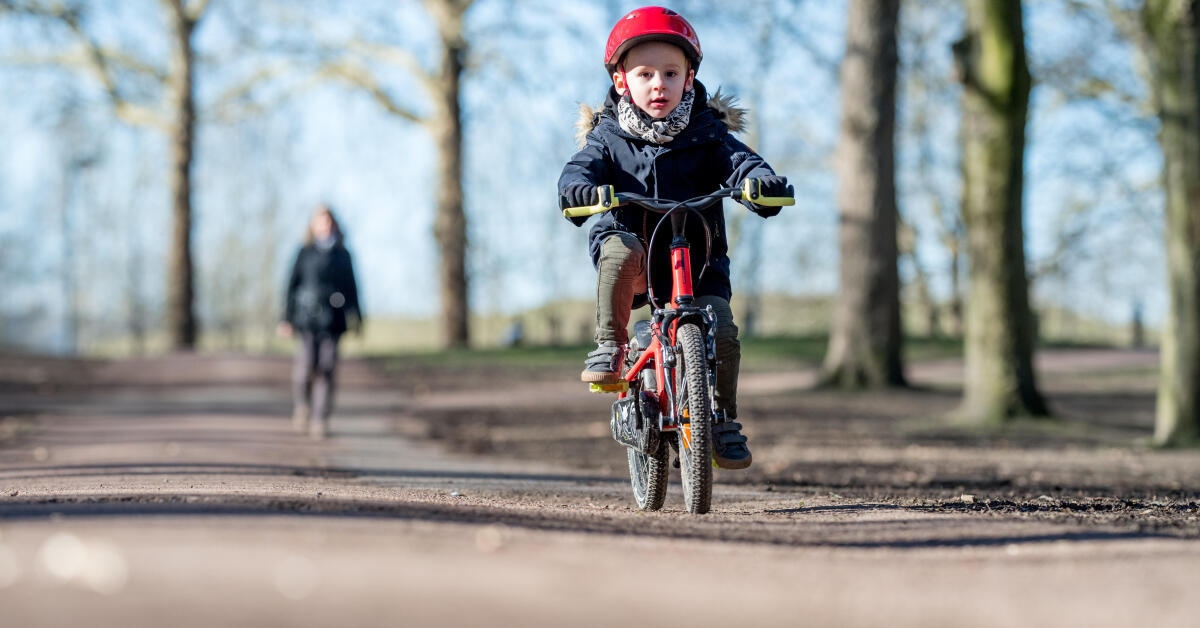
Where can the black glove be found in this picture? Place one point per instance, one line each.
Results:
(580, 195)
(772, 185)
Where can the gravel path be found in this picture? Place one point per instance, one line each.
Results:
(172, 492)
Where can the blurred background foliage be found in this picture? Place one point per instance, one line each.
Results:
(309, 101)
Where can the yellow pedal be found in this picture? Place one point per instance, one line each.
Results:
(619, 387)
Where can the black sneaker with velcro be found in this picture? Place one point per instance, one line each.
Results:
(730, 450)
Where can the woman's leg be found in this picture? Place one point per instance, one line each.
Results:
(302, 370)
(325, 348)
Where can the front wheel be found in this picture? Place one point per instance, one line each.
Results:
(695, 433)
(648, 474)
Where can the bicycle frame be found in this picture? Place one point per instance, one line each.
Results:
(659, 352)
(655, 354)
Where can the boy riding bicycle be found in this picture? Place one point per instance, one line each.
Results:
(659, 134)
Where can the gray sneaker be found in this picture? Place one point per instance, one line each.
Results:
(729, 446)
(603, 366)
(300, 418)
(318, 428)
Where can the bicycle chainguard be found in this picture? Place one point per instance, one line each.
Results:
(619, 387)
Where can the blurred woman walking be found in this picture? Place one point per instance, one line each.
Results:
(322, 304)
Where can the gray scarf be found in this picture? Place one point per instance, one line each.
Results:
(641, 124)
(326, 243)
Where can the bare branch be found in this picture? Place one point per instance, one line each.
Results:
(98, 65)
(70, 18)
(393, 56)
(788, 24)
(99, 61)
(360, 77)
(140, 115)
(7, 6)
(83, 60)
(196, 10)
(225, 108)
(448, 15)
(172, 7)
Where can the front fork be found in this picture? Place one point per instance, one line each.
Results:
(666, 322)
(671, 361)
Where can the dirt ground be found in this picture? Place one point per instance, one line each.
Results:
(172, 491)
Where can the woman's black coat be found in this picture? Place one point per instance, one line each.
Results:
(322, 294)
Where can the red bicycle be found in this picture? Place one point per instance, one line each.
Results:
(665, 398)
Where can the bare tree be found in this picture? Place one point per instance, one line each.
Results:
(354, 63)
(907, 248)
(450, 223)
(1000, 381)
(928, 88)
(79, 153)
(180, 101)
(866, 343)
(745, 232)
(1090, 200)
(137, 309)
(171, 110)
(1173, 44)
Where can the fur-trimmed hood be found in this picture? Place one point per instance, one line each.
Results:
(725, 107)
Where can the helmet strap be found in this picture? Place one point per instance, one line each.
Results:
(624, 79)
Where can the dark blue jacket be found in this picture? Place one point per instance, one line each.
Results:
(702, 158)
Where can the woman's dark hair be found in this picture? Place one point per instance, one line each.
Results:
(324, 208)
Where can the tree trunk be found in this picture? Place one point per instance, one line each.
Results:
(1137, 329)
(70, 282)
(956, 298)
(866, 343)
(181, 317)
(1173, 41)
(450, 222)
(751, 228)
(1000, 381)
(920, 284)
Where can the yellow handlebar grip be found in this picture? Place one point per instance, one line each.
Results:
(750, 192)
(579, 212)
(775, 201)
(608, 200)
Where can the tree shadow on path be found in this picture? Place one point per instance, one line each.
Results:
(716, 528)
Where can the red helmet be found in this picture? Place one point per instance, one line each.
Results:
(651, 24)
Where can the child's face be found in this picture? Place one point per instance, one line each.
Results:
(658, 76)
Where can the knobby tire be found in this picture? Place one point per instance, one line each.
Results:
(648, 474)
(692, 377)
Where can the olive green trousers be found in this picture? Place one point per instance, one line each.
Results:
(622, 274)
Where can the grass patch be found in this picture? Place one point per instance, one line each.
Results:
(519, 357)
(758, 354)
(808, 351)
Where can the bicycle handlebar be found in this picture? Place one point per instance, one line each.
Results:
(608, 199)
